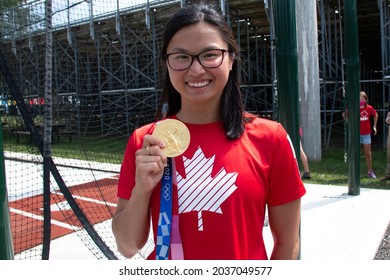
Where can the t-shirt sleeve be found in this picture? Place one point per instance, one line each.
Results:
(285, 184)
(373, 111)
(126, 180)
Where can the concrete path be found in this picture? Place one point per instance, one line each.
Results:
(334, 226)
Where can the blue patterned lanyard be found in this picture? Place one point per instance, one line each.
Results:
(165, 217)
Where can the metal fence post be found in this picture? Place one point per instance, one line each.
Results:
(6, 241)
(287, 72)
(353, 94)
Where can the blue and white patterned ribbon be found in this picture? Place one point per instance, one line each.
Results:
(165, 217)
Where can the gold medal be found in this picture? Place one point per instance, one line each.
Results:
(175, 135)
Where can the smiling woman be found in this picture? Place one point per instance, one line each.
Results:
(221, 184)
(201, 85)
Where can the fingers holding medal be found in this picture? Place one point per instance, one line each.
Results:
(174, 134)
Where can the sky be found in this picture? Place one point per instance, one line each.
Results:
(80, 9)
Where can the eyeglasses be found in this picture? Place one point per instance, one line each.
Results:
(208, 59)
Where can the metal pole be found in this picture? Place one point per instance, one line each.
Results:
(287, 68)
(287, 71)
(47, 133)
(353, 94)
(6, 243)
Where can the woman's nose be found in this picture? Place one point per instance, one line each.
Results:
(196, 67)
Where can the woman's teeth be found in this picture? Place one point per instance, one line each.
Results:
(200, 84)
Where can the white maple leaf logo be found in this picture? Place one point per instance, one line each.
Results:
(201, 192)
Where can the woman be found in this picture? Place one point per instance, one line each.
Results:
(251, 158)
(366, 112)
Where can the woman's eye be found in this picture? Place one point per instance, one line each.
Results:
(181, 57)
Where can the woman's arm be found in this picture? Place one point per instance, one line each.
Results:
(284, 223)
(131, 221)
(375, 122)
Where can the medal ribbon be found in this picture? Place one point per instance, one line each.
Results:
(165, 218)
(176, 244)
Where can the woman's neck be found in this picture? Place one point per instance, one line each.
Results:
(198, 116)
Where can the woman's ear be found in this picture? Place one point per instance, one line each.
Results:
(232, 58)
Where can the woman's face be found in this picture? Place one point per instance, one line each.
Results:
(197, 84)
(362, 101)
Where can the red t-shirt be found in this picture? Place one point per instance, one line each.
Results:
(223, 187)
(365, 114)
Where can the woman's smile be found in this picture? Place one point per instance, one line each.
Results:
(199, 84)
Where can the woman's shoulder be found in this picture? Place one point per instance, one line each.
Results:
(369, 108)
(264, 127)
(261, 121)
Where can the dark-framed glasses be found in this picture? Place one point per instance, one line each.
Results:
(208, 59)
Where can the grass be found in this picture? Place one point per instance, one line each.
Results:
(333, 170)
(107, 150)
(99, 149)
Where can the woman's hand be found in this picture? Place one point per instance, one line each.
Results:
(150, 161)
(388, 118)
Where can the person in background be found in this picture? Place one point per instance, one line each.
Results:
(366, 113)
(305, 163)
(235, 167)
(387, 176)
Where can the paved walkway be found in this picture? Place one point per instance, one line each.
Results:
(334, 226)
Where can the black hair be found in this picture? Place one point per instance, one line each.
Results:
(232, 107)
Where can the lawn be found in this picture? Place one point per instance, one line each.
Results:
(333, 170)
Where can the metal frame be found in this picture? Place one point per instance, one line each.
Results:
(109, 63)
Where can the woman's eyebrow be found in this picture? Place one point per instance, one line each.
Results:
(178, 49)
